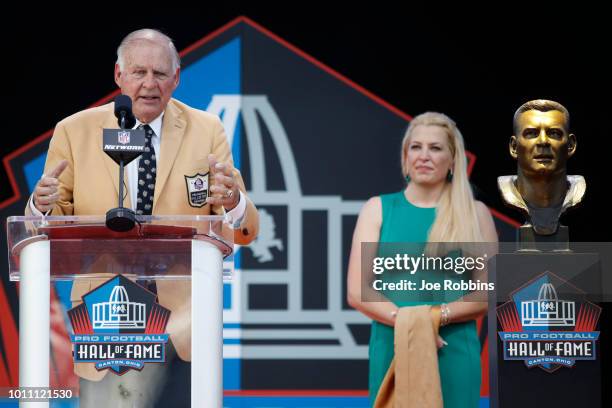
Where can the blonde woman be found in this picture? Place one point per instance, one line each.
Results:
(437, 205)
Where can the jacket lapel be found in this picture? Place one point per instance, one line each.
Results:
(111, 167)
(173, 128)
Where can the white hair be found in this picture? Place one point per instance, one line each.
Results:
(147, 34)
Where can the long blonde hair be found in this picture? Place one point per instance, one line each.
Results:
(456, 217)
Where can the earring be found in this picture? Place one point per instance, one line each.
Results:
(407, 178)
(449, 175)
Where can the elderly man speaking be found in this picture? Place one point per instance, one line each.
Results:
(80, 179)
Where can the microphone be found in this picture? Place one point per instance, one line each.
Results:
(123, 112)
(122, 145)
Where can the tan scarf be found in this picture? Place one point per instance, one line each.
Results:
(413, 378)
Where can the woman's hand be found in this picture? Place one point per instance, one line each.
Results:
(436, 316)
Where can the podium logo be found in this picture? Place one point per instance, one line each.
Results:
(119, 312)
(544, 330)
(119, 326)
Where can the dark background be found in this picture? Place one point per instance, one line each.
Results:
(476, 65)
(477, 70)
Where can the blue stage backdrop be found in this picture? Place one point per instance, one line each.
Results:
(312, 147)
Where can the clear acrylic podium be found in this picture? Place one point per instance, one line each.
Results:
(170, 250)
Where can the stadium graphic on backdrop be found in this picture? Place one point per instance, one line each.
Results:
(285, 307)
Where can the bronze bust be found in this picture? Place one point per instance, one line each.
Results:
(542, 144)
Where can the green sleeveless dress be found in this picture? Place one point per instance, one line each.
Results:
(459, 361)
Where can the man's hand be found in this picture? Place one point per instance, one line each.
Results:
(224, 190)
(46, 192)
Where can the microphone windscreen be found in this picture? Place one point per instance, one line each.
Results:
(123, 107)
